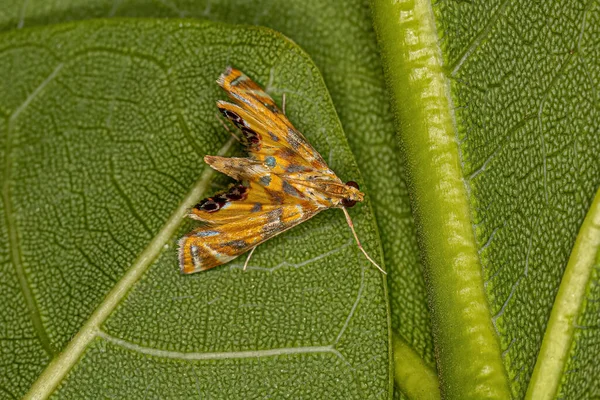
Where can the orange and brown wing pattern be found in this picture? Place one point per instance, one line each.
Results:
(269, 135)
(285, 182)
(238, 220)
(239, 202)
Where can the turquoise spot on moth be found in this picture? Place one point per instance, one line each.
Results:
(265, 180)
(270, 161)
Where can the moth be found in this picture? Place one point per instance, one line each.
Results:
(282, 183)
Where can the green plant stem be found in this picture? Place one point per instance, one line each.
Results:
(413, 377)
(554, 352)
(468, 352)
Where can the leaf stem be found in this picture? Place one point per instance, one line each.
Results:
(413, 377)
(554, 353)
(467, 347)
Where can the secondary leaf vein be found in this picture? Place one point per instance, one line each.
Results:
(16, 256)
(225, 355)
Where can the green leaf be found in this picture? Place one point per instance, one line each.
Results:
(530, 152)
(498, 110)
(339, 37)
(416, 379)
(515, 86)
(104, 128)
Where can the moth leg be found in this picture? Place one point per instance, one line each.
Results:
(351, 225)
(227, 128)
(248, 258)
(283, 103)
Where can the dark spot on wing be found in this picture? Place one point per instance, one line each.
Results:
(237, 192)
(273, 220)
(211, 204)
(233, 117)
(289, 189)
(215, 203)
(256, 208)
(270, 161)
(265, 180)
(296, 168)
(236, 244)
(271, 108)
(276, 197)
(251, 136)
(293, 139)
(287, 153)
(274, 137)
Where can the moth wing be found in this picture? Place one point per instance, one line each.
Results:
(238, 202)
(211, 246)
(263, 191)
(266, 130)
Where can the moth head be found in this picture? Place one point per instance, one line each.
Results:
(353, 194)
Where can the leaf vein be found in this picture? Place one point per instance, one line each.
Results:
(61, 365)
(478, 39)
(16, 255)
(225, 355)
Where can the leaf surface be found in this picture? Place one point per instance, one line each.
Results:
(525, 84)
(104, 128)
(338, 35)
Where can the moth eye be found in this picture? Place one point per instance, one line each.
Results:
(353, 184)
(348, 203)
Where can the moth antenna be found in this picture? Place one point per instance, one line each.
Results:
(351, 225)
(248, 258)
(227, 128)
(283, 103)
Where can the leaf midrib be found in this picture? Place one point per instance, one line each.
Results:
(60, 366)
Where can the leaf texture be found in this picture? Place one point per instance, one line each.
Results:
(103, 141)
(338, 35)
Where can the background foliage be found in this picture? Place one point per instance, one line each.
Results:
(105, 125)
